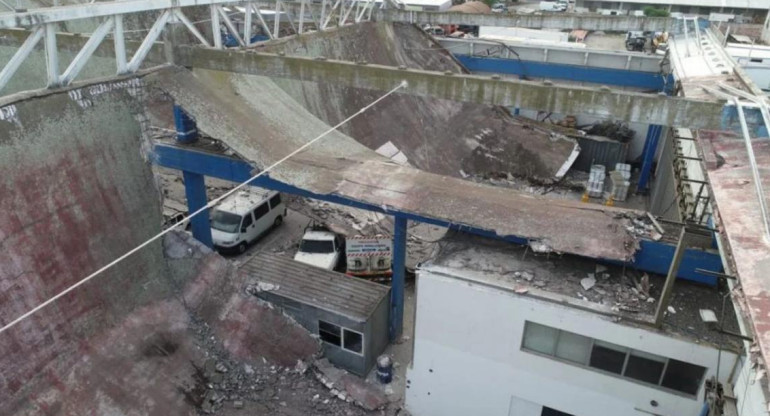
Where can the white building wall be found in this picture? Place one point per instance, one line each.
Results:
(467, 358)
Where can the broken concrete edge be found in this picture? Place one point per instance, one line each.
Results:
(562, 99)
(45, 92)
(348, 388)
(537, 244)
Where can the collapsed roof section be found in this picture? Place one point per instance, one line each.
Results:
(263, 124)
(439, 136)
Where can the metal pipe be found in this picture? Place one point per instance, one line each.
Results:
(754, 169)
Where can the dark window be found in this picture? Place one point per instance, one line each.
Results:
(683, 376)
(247, 220)
(274, 201)
(316, 246)
(547, 411)
(756, 60)
(330, 333)
(645, 367)
(261, 211)
(354, 341)
(607, 357)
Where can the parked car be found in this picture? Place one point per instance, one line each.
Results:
(322, 248)
(244, 217)
(499, 8)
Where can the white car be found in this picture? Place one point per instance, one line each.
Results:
(499, 8)
(321, 248)
(244, 217)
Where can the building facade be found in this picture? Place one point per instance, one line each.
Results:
(752, 11)
(507, 351)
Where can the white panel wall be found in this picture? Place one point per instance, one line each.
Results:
(467, 357)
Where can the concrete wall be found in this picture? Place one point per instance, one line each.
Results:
(467, 358)
(664, 194)
(76, 193)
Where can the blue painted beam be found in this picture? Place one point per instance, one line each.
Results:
(653, 256)
(186, 129)
(654, 132)
(534, 69)
(195, 191)
(399, 278)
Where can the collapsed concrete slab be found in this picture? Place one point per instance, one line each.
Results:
(438, 136)
(263, 124)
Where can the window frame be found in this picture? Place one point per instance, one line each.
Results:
(342, 337)
(628, 351)
(331, 324)
(363, 341)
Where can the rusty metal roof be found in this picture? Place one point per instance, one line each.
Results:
(331, 291)
(740, 219)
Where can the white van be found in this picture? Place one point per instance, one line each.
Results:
(242, 218)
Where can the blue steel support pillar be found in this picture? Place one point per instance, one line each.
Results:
(399, 271)
(186, 129)
(195, 191)
(648, 156)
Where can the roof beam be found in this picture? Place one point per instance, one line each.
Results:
(533, 21)
(601, 102)
(545, 21)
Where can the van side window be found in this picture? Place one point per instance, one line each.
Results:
(275, 201)
(247, 220)
(260, 211)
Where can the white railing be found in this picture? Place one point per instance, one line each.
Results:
(42, 26)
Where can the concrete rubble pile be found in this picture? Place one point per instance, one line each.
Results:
(437, 136)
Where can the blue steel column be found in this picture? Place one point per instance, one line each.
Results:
(399, 270)
(648, 155)
(195, 191)
(194, 183)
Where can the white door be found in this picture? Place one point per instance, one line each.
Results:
(248, 228)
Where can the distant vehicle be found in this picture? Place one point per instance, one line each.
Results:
(244, 217)
(499, 8)
(321, 247)
(369, 256)
(636, 41)
(434, 30)
(553, 6)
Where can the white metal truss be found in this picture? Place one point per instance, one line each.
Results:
(43, 23)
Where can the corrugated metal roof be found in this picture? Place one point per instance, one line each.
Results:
(324, 289)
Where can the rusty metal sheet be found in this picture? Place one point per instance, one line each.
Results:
(740, 220)
(261, 123)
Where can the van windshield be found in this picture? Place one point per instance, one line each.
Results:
(225, 221)
(316, 246)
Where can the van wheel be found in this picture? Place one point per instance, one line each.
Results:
(278, 221)
(242, 247)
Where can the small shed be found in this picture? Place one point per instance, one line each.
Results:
(349, 315)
